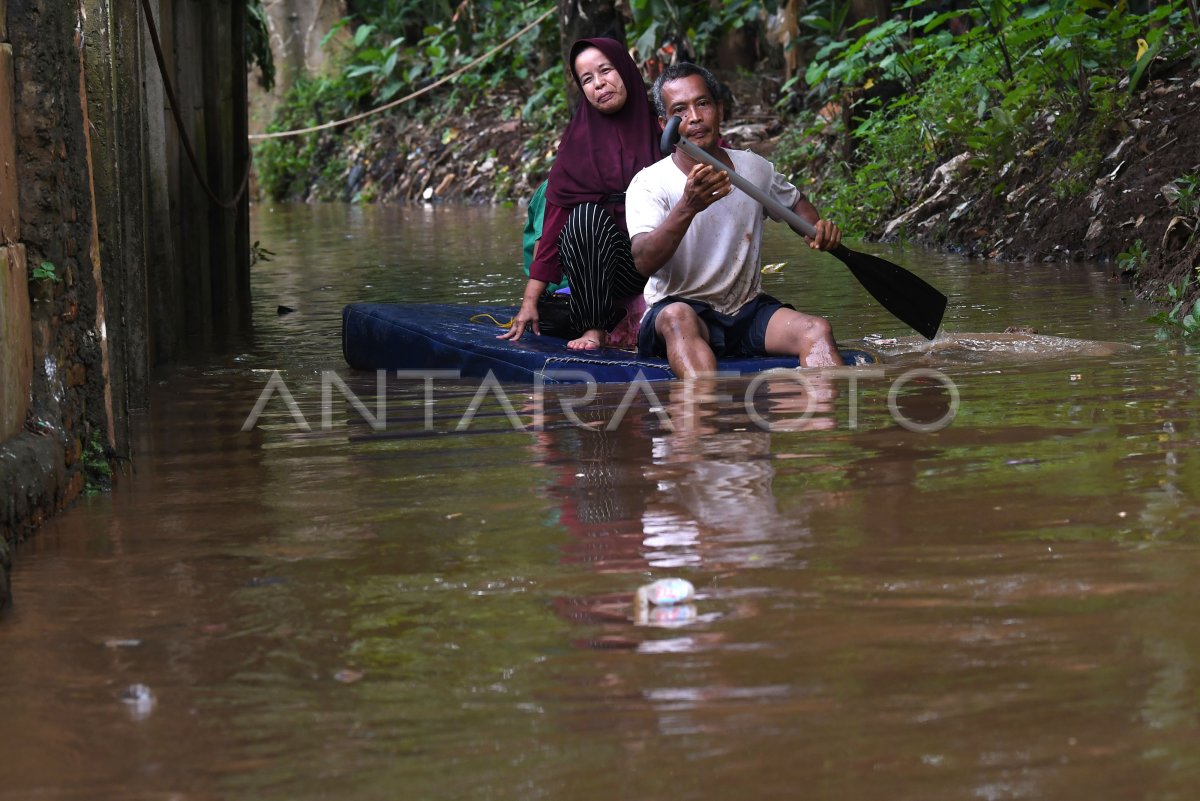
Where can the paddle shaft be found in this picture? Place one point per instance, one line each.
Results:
(905, 295)
(772, 205)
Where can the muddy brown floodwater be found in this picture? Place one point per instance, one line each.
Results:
(1004, 607)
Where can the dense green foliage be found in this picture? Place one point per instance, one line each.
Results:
(1019, 72)
(391, 49)
(700, 24)
(284, 164)
(97, 470)
(898, 97)
(407, 44)
(1183, 318)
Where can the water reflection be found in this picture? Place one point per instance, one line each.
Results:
(670, 482)
(715, 507)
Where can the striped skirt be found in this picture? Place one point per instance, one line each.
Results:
(595, 256)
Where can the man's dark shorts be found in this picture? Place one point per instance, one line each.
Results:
(737, 335)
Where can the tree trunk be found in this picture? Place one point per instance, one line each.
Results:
(737, 48)
(879, 10)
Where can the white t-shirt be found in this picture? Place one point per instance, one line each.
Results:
(718, 260)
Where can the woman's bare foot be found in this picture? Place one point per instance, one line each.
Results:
(592, 339)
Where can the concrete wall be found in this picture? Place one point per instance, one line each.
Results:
(9, 216)
(16, 343)
(16, 348)
(93, 179)
(174, 262)
(14, 298)
(40, 465)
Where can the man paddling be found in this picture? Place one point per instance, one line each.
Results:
(699, 243)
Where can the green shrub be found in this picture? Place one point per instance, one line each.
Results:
(1183, 318)
(97, 470)
(1131, 260)
(1188, 199)
(1025, 71)
(285, 165)
(46, 271)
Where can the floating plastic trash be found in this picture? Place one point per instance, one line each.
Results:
(139, 700)
(122, 642)
(664, 603)
(665, 592)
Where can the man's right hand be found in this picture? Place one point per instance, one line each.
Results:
(705, 186)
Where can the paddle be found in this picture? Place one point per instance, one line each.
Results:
(905, 295)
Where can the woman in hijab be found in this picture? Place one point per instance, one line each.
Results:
(613, 134)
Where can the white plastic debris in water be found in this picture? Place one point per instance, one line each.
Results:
(139, 700)
(665, 603)
(122, 642)
(666, 592)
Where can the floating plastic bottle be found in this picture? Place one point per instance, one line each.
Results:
(664, 603)
(139, 700)
(666, 592)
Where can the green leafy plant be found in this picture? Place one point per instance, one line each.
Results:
(284, 164)
(1188, 198)
(46, 271)
(374, 67)
(435, 39)
(546, 107)
(259, 253)
(1131, 260)
(97, 469)
(700, 24)
(1182, 319)
(1024, 72)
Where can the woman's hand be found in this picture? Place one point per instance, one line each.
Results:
(527, 317)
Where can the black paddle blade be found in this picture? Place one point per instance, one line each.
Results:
(905, 295)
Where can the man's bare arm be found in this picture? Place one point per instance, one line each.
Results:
(828, 237)
(653, 249)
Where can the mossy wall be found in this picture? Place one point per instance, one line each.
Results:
(145, 268)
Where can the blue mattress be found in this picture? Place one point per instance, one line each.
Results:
(430, 336)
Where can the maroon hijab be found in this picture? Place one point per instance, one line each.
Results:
(600, 153)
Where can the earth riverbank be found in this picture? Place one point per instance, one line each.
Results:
(1132, 200)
